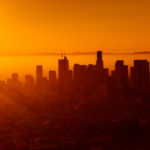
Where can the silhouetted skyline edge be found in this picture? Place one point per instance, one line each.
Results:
(73, 53)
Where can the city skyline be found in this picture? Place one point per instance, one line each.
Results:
(74, 74)
(55, 74)
(49, 62)
(85, 108)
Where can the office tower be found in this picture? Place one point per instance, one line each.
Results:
(13, 82)
(63, 67)
(83, 74)
(45, 83)
(39, 74)
(140, 72)
(99, 61)
(99, 69)
(15, 77)
(99, 55)
(106, 71)
(69, 81)
(121, 74)
(80, 76)
(76, 71)
(134, 76)
(83, 78)
(105, 75)
(29, 81)
(76, 76)
(9, 82)
(111, 85)
(125, 75)
(91, 77)
(113, 73)
(52, 75)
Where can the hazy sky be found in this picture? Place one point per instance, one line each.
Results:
(33, 26)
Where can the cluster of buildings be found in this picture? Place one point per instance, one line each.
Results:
(91, 110)
(87, 78)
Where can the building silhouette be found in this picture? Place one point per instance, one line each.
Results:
(63, 68)
(76, 76)
(99, 69)
(91, 70)
(105, 75)
(52, 75)
(39, 75)
(121, 74)
(29, 81)
(14, 77)
(69, 81)
(113, 73)
(13, 82)
(111, 85)
(139, 74)
(80, 76)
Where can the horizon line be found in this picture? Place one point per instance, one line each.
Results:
(72, 53)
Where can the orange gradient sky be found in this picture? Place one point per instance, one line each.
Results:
(37, 26)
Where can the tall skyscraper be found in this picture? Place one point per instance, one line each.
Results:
(99, 69)
(80, 76)
(13, 82)
(63, 68)
(91, 77)
(69, 81)
(113, 73)
(76, 76)
(134, 76)
(52, 75)
(125, 75)
(76, 72)
(39, 74)
(111, 85)
(99, 55)
(29, 81)
(105, 75)
(15, 77)
(121, 74)
(140, 73)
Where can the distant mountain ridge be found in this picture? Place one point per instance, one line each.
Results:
(73, 53)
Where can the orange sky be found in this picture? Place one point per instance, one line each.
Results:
(33, 26)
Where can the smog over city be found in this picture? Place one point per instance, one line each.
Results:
(74, 75)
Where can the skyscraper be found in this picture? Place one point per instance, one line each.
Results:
(134, 76)
(76, 76)
(99, 55)
(80, 76)
(15, 77)
(69, 81)
(111, 85)
(140, 73)
(76, 72)
(63, 68)
(52, 75)
(121, 74)
(91, 77)
(105, 75)
(99, 69)
(29, 81)
(39, 74)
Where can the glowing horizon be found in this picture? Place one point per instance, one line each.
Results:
(34, 26)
